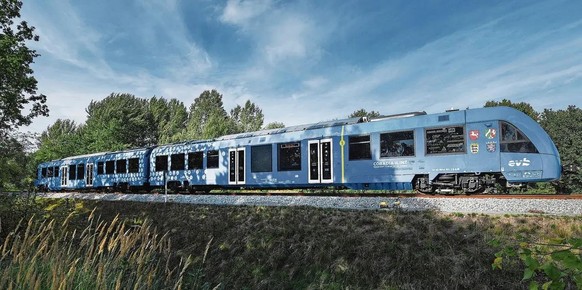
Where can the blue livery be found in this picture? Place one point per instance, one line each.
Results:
(467, 151)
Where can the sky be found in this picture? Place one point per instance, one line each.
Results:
(308, 61)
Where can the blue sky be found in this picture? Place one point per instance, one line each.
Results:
(308, 61)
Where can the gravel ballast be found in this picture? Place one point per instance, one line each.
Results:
(462, 205)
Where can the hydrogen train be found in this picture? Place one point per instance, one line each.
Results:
(458, 151)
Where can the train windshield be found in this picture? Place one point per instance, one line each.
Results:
(513, 140)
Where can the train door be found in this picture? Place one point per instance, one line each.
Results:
(236, 166)
(64, 176)
(89, 174)
(320, 161)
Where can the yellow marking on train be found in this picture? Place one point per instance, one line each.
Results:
(342, 144)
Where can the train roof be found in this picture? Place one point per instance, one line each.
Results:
(318, 125)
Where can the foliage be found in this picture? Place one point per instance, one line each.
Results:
(17, 84)
(61, 139)
(522, 106)
(564, 127)
(118, 122)
(16, 168)
(207, 118)
(169, 119)
(556, 265)
(248, 118)
(274, 125)
(104, 255)
(364, 113)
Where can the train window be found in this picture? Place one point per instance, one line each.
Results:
(513, 140)
(177, 161)
(99, 168)
(162, 163)
(262, 158)
(121, 166)
(81, 171)
(110, 167)
(359, 148)
(445, 140)
(133, 165)
(43, 172)
(50, 172)
(195, 160)
(397, 144)
(289, 156)
(56, 171)
(212, 160)
(72, 171)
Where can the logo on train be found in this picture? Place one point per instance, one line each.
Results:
(474, 148)
(491, 146)
(490, 134)
(474, 134)
(518, 163)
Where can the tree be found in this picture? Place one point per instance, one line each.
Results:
(61, 139)
(274, 125)
(364, 113)
(564, 127)
(118, 122)
(207, 118)
(248, 118)
(169, 119)
(522, 106)
(16, 168)
(17, 84)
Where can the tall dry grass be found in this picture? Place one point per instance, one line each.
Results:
(104, 255)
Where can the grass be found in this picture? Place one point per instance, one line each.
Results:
(174, 245)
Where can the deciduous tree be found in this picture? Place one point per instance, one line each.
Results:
(207, 118)
(564, 126)
(248, 118)
(118, 122)
(364, 113)
(274, 125)
(61, 139)
(19, 101)
(169, 119)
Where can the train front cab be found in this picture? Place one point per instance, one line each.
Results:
(527, 153)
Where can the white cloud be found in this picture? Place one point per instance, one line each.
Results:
(240, 12)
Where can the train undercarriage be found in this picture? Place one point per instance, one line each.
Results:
(466, 183)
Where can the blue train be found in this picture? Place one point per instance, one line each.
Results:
(458, 151)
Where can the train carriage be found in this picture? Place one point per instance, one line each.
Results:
(456, 151)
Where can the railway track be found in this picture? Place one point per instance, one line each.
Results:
(343, 194)
(568, 205)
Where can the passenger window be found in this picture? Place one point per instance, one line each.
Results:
(290, 156)
(513, 140)
(99, 168)
(359, 148)
(162, 163)
(49, 172)
(212, 159)
(195, 160)
(177, 161)
(110, 167)
(397, 144)
(262, 158)
(133, 165)
(56, 171)
(43, 172)
(445, 140)
(121, 166)
(81, 171)
(72, 171)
